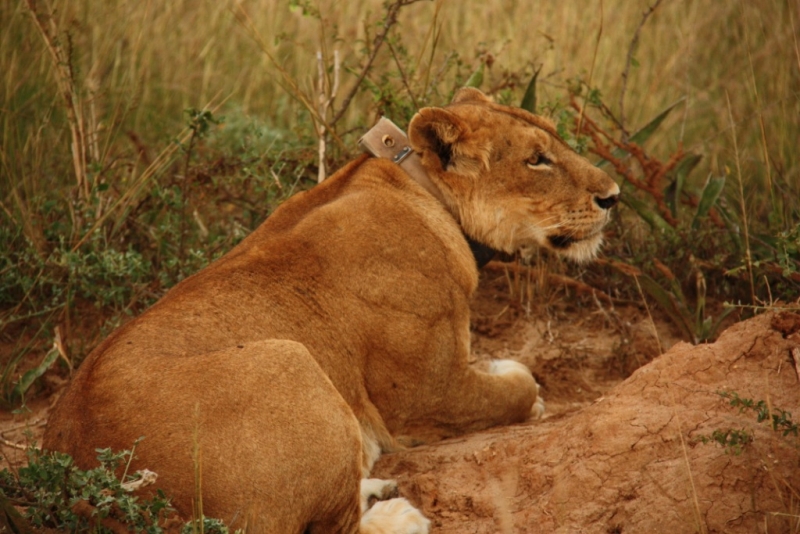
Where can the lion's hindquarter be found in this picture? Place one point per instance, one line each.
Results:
(251, 428)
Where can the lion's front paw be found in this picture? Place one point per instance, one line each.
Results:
(507, 367)
(395, 516)
(374, 490)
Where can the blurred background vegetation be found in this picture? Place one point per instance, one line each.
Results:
(143, 139)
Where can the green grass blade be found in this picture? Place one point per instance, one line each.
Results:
(711, 192)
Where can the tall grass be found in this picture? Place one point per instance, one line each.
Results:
(136, 66)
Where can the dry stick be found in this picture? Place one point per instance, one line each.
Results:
(628, 60)
(13, 445)
(326, 97)
(403, 76)
(591, 71)
(748, 256)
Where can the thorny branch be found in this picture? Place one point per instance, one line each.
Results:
(631, 50)
(388, 22)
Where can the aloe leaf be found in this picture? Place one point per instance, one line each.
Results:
(644, 133)
(476, 78)
(709, 196)
(529, 99)
(667, 302)
(648, 129)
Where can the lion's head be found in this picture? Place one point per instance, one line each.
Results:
(510, 180)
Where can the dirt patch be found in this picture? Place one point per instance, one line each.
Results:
(631, 461)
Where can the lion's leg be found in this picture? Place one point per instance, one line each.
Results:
(509, 367)
(474, 399)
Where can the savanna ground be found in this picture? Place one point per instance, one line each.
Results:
(142, 140)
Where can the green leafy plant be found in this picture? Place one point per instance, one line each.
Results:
(734, 441)
(56, 494)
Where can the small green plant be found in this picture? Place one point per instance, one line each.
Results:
(736, 440)
(733, 441)
(781, 420)
(56, 494)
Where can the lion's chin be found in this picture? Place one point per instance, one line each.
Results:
(578, 250)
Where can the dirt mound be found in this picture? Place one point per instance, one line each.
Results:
(633, 460)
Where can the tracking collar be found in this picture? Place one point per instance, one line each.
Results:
(386, 140)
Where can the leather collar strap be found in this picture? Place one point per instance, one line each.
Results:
(386, 140)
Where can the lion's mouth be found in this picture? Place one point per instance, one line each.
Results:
(561, 242)
(579, 248)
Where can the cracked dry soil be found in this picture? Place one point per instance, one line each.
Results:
(618, 450)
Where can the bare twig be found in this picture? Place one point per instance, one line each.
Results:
(65, 77)
(286, 81)
(631, 50)
(403, 76)
(388, 22)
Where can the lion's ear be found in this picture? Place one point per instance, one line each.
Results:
(470, 94)
(437, 131)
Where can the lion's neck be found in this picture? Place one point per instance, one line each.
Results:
(386, 140)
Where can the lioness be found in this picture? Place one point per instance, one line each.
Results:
(269, 382)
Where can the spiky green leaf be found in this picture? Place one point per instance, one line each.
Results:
(529, 99)
(643, 134)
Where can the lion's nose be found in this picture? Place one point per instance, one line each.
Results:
(608, 202)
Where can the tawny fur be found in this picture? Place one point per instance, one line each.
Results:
(342, 322)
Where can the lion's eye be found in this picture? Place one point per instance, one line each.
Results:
(537, 160)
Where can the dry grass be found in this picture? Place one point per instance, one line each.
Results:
(139, 64)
